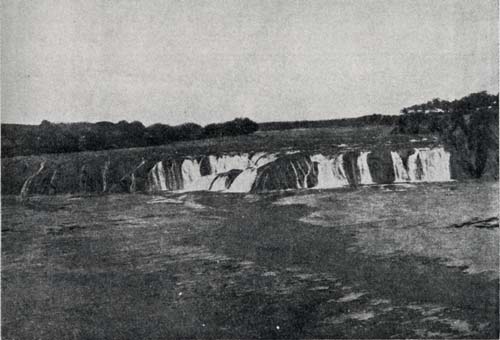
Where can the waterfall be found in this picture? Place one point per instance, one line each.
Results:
(429, 165)
(219, 183)
(364, 170)
(174, 176)
(190, 173)
(202, 183)
(53, 181)
(242, 173)
(225, 163)
(26, 185)
(400, 173)
(306, 173)
(331, 172)
(262, 158)
(133, 183)
(244, 181)
(298, 186)
(104, 176)
(157, 178)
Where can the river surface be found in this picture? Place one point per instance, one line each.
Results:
(370, 262)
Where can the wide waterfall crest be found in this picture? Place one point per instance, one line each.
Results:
(250, 172)
(331, 172)
(226, 163)
(429, 165)
(364, 169)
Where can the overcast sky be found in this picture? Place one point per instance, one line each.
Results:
(210, 61)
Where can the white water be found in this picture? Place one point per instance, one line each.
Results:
(191, 174)
(331, 172)
(364, 170)
(225, 163)
(157, 178)
(133, 182)
(305, 173)
(424, 165)
(262, 158)
(26, 185)
(202, 183)
(244, 181)
(105, 176)
(53, 178)
(435, 165)
(219, 184)
(400, 173)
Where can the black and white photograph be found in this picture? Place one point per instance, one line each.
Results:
(249, 169)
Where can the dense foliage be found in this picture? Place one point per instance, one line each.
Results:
(61, 137)
(474, 101)
(374, 119)
(468, 125)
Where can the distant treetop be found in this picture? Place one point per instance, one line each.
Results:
(473, 101)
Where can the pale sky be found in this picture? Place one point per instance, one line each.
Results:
(210, 61)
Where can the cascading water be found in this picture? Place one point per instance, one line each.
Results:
(26, 185)
(298, 186)
(133, 183)
(260, 172)
(331, 172)
(429, 165)
(105, 176)
(202, 183)
(218, 184)
(400, 173)
(364, 169)
(191, 174)
(262, 158)
(53, 180)
(244, 181)
(157, 178)
(226, 163)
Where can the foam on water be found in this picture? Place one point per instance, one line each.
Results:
(331, 172)
(244, 181)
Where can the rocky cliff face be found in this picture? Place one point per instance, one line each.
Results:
(470, 135)
(473, 142)
(115, 172)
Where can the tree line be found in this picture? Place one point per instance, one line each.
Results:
(373, 119)
(469, 125)
(442, 116)
(473, 101)
(74, 137)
